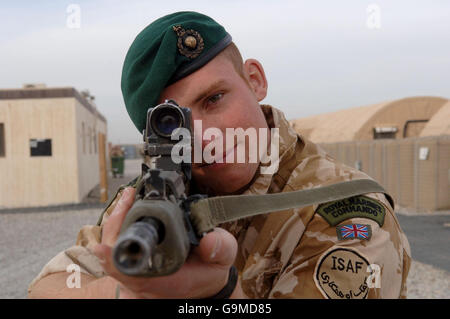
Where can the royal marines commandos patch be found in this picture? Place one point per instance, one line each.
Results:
(358, 206)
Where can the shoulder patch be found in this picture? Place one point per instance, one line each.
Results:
(357, 206)
(354, 231)
(341, 273)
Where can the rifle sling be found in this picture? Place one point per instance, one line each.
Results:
(210, 212)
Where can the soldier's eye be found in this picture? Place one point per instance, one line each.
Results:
(215, 98)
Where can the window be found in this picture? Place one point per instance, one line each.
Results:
(40, 147)
(384, 132)
(2, 140)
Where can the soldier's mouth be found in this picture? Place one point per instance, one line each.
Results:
(225, 160)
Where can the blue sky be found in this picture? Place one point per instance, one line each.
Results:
(319, 56)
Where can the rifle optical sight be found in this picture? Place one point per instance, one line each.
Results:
(165, 118)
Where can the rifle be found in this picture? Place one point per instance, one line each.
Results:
(157, 234)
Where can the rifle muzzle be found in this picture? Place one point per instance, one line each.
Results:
(133, 253)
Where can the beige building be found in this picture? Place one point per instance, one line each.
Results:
(403, 144)
(52, 146)
(408, 117)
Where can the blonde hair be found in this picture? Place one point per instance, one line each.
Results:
(231, 52)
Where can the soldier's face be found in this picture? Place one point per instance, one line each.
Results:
(219, 97)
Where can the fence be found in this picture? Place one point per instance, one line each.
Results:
(415, 171)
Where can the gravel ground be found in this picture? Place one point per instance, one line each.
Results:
(428, 282)
(29, 240)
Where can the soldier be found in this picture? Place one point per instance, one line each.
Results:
(351, 248)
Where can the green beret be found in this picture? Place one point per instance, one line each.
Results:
(167, 50)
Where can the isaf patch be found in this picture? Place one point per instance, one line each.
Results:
(341, 273)
(353, 207)
(354, 231)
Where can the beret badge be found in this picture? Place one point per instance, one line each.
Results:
(190, 42)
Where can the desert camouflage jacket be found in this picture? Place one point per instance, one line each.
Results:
(353, 248)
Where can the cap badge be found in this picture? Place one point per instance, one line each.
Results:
(190, 42)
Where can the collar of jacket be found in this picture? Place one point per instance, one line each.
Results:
(289, 142)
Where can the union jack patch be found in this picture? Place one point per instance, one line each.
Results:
(354, 231)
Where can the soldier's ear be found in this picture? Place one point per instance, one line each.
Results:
(256, 78)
